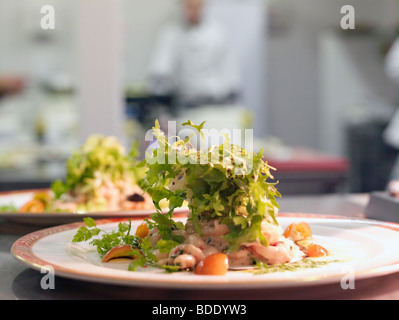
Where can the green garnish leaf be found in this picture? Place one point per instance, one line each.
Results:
(107, 240)
(58, 188)
(166, 245)
(139, 261)
(197, 127)
(8, 208)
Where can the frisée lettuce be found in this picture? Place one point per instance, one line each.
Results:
(101, 158)
(99, 176)
(224, 182)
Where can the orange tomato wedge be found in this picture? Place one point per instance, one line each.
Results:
(32, 206)
(215, 264)
(121, 251)
(298, 231)
(316, 251)
(142, 230)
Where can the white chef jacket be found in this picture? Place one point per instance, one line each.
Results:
(193, 62)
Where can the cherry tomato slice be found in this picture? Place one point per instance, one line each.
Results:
(215, 264)
(142, 230)
(316, 251)
(32, 206)
(298, 231)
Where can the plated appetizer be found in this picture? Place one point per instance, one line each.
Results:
(232, 221)
(100, 176)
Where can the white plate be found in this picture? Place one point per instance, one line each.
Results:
(18, 198)
(365, 249)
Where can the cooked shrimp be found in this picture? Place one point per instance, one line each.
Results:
(214, 228)
(111, 194)
(185, 261)
(154, 236)
(65, 206)
(193, 250)
(160, 255)
(282, 252)
(191, 255)
(271, 232)
(241, 257)
(197, 241)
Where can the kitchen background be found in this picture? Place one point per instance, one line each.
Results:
(317, 96)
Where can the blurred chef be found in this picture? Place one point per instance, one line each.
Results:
(192, 60)
(391, 134)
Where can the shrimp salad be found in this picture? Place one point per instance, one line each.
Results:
(232, 219)
(100, 176)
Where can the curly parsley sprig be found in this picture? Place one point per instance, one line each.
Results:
(141, 248)
(108, 240)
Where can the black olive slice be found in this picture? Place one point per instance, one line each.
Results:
(135, 197)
